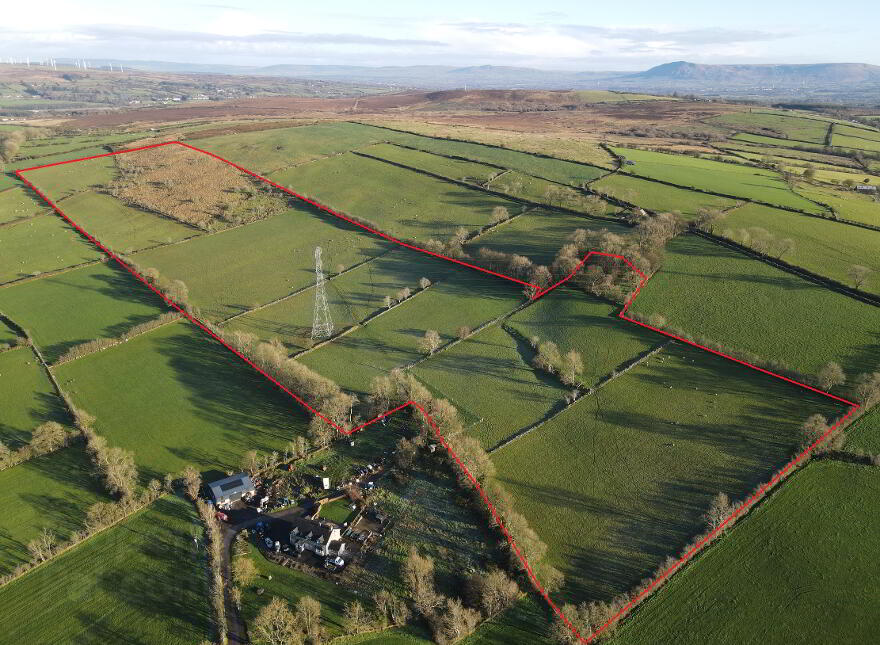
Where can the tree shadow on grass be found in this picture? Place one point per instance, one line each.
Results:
(247, 410)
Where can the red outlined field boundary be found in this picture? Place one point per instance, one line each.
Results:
(537, 293)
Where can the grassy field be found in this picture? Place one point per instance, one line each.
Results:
(756, 151)
(40, 245)
(225, 279)
(864, 434)
(18, 203)
(63, 310)
(10, 180)
(291, 585)
(859, 143)
(392, 339)
(8, 336)
(495, 362)
(821, 246)
(581, 148)
(185, 400)
(526, 622)
(53, 491)
(60, 181)
(659, 197)
(792, 127)
(774, 141)
(138, 582)
(837, 176)
(574, 320)
(28, 397)
(620, 480)
(857, 131)
(270, 150)
(443, 166)
(846, 203)
(715, 176)
(121, 228)
(805, 557)
(564, 172)
(400, 202)
(351, 296)
(777, 315)
(337, 511)
(540, 234)
(36, 149)
(535, 189)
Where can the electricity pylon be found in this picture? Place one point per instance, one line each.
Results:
(323, 326)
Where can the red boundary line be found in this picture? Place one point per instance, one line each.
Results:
(742, 508)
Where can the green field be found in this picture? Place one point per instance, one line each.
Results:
(846, 203)
(859, 143)
(539, 234)
(659, 197)
(526, 622)
(490, 379)
(60, 181)
(799, 569)
(535, 189)
(226, 275)
(775, 141)
(399, 202)
(745, 304)
(53, 491)
(443, 166)
(353, 296)
(863, 132)
(726, 178)
(63, 310)
(392, 339)
(574, 320)
(270, 150)
(40, 245)
(175, 397)
(338, 511)
(8, 336)
(837, 176)
(563, 172)
(291, 585)
(17, 203)
(54, 145)
(792, 127)
(138, 582)
(122, 228)
(28, 397)
(756, 151)
(821, 246)
(620, 480)
(864, 434)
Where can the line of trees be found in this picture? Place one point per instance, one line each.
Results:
(568, 366)
(214, 543)
(46, 437)
(320, 392)
(98, 344)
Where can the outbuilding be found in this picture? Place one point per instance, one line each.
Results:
(231, 489)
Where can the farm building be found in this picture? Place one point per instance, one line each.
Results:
(231, 489)
(866, 189)
(319, 537)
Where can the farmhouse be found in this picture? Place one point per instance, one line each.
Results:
(863, 188)
(231, 489)
(320, 537)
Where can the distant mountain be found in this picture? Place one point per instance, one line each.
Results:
(854, 83)
(792, 75)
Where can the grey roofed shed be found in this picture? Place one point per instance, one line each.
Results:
(232, 488)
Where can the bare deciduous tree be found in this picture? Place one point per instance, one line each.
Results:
(831, 375)
(244, 571)
(719, 510)
(308, 612)
(859, 274)
(276, 624)
(424, 283)
(192, 482)
(430, 342)
(43, 546)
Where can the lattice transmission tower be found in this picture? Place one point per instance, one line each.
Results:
(323, 326)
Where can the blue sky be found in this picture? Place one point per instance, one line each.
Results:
(584, 35)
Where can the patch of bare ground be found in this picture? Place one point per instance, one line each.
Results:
(192, 188)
